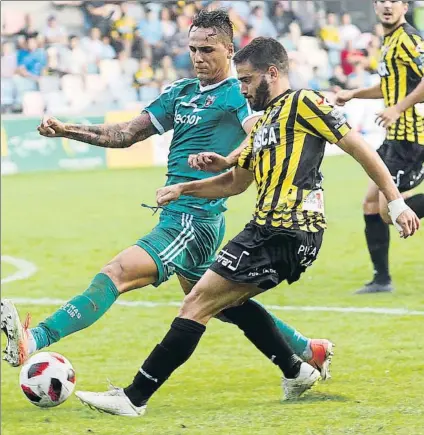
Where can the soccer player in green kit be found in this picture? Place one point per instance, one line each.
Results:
(206, 113)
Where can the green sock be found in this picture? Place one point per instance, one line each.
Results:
(297, 341)
(79, 313)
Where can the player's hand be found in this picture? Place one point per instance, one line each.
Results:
(167, 194)
(209, 162)
(342, 97)
(387, 117)
(51, 127)
(409, 223)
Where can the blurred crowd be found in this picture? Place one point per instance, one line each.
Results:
(123, 53)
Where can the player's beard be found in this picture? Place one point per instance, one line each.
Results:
(262, 96)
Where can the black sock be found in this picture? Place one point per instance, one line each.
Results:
(175, 349)
(416, 202)
(378, 239)
(259, 327)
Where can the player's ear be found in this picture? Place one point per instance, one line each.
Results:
(273, 72)
(230, 51)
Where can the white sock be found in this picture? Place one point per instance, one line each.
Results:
(32, 345)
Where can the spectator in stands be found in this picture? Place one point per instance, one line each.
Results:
(338, 81)
(93, 45)
(239, 26)
(330, 37)
(296, 78)
(116, 42)
(241, 8)
(9, 60)
(138, 48)
(166, 73)
(261, 23)
(291, 40)
(53, 32)
(34, 61)
(168, 26)
(144, 74)
(317, 82)
(125, 24)
(359, 78)
(178, 46)
(307, 16)
(373, 54)
(108, 51)
(98, 14)
(281, 18)
(150, 28)
(28, 31)
(349, 57)
(74, 59)
(248, 36)
(348, 31)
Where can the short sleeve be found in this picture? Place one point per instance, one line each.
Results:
(237, 104)
(245, 160)
(161, 110)
(411, 52)
(316, 116)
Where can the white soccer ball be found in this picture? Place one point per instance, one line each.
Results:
(47, 379)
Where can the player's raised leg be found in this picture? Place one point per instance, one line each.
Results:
(316, 352)
(132, 268)
(210, 296)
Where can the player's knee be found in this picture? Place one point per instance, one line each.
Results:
(115, 272)
(195, 306)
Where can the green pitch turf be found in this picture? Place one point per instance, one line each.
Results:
(70, 224)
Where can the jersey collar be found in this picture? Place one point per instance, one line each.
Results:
(215, 85)
(274, 100)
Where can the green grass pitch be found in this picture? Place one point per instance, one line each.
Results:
(70, 224)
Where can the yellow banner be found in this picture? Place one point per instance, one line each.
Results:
(139, 154)
(3, 142)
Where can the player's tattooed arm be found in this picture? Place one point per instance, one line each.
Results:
(120, 135)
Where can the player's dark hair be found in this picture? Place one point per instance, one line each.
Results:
(217, 19)
(263, 53)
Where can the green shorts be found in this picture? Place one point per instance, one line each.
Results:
(184, 244)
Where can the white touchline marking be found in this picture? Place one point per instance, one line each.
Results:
(25, 268)
(147, 304)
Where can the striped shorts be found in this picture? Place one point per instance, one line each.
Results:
(184, 244)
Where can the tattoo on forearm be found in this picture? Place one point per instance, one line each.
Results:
(120, 135)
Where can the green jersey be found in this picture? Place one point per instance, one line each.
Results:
(204, 118)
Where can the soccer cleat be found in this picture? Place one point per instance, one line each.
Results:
(113, 402)
(294, 388)
(322, 354)
(16, 352)
(375, 287)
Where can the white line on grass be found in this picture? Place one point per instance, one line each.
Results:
(25, 268)
(147, 304)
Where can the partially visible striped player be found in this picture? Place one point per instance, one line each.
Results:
(401, 70)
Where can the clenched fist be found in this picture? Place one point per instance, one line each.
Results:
(51, 127)
(342, 97)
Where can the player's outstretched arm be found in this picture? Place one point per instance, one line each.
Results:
(404, 219)
(231, 183)
(120, 135)
(373, 93)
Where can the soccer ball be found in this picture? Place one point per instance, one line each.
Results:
(47, 379)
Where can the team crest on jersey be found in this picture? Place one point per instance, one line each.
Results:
(274, 112)
(210, 100)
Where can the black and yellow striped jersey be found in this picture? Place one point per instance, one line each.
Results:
(401, 69)
(285, 151)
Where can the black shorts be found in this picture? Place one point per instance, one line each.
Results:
(265, 256)
(405, 161)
